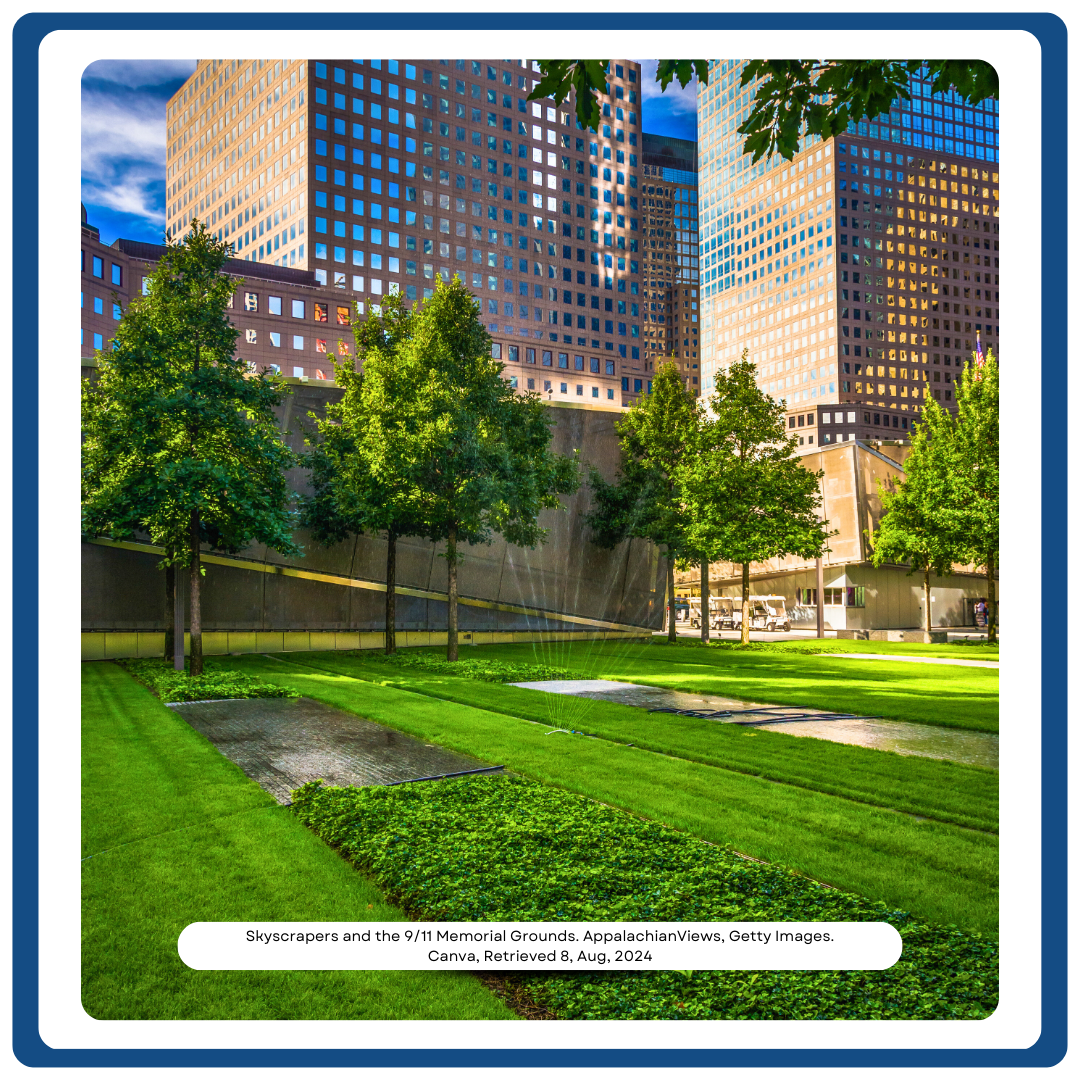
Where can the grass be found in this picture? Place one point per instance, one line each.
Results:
(945, 651)
(960, 794)
(174, 833)
(508, 849)
(940, 872)
(946, 696)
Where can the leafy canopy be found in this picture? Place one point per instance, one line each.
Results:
(177, 424)
(795, 98)
(748, 497)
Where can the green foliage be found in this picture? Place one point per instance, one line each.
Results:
(361, 473)
(215, 683)
(507, 849)
(656, 437)
(976, 448)
(175, 425)
(748, 497)
(494, 671)
(785, 105)
(915, 526)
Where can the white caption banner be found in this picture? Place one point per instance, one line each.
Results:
(509, 946)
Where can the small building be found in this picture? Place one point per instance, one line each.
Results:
(857, 595)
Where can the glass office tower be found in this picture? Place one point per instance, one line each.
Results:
(859, 275)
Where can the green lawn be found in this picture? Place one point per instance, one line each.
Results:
(938, 871)
(947, 651)
(174, 833)
(961, 794)
(945, 695)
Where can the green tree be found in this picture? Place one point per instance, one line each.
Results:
(363, 471)
(976, 479)
(180, 436)
(918, 524)
(794, 98)
(656, 437)
(479, 454)
(747, 496)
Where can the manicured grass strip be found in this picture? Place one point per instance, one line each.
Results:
(962, 794)
(943, 873)
(951, 651)
(202, 842)
(960, 697)
(504, 848)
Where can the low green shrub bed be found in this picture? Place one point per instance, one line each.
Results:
(506, 848)
(494, 671)
(216, 682)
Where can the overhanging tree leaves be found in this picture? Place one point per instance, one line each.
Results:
(204, 460)
(657, 436)
(787, 103)
(747, 496)
(363, 471)
(481, 452)
(917, 526)
(976, 483)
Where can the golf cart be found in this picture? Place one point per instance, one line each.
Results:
(766, 613)
(720, 612)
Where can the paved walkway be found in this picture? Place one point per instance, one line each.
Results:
(914, 659)
(282, 744)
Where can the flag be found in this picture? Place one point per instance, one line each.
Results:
(978, 350)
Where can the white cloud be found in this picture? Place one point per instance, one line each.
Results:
(677, 99)
(138, 73)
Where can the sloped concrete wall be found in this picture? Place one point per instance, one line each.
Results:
(567, 575)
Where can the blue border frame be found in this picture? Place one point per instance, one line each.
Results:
(28, 1046)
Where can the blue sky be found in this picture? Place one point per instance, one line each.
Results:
(123, 138)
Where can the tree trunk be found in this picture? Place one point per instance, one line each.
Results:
(195, 617)
(391, 595)
(819, 588)
(991, 602)
(451, 596)
(705, 613)
(746, 603)
(180, 581)
(672, 633)
(926, 589)
(170, 606)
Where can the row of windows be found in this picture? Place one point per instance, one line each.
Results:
(530, 384)
(321, 312)
(551, 358)
(97, 268)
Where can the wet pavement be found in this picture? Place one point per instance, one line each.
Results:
(919, 740)
(282, 744)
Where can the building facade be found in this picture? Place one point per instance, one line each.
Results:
(670, 254)
(382, 175)
(288, 322)
(860, 275)
(857, 595)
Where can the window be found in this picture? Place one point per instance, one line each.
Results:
(496, 351)
(321, 312)
(856, 596)
(273, 305)
(117, 274)
(275, 340)
(298, 343)
(343, 316)
(251, 302)
(99, 267)
(249, 337)
(298, 310)
(320, 345)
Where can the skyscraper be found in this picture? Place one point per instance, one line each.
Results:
(857, 275)
(381, 175)
(670, 253)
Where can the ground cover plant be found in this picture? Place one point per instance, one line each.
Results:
(942, 790)
(505, 848)
(483, 669)
(939, 871)
(943, 695)
(174, 833)
(215, 683)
